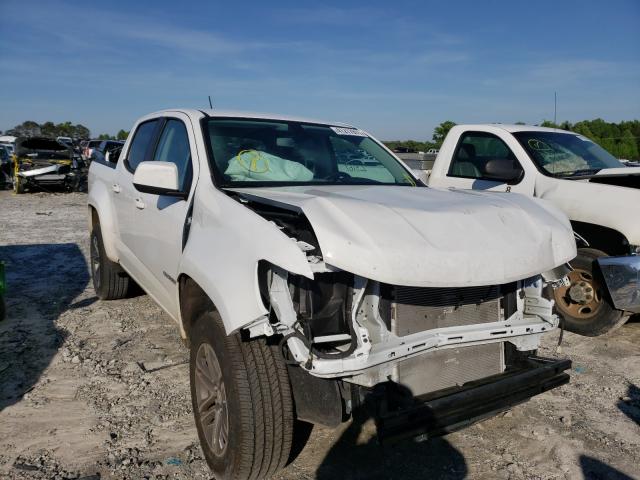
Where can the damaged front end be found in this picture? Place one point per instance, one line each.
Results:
(397, 349)
(43, 163)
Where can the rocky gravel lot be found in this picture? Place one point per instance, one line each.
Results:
(94, 390)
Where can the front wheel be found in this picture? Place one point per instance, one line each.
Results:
(242, 401)
(585, 305)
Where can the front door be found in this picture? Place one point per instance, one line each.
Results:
(471, 161)
(157, 238)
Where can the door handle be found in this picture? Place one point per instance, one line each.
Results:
(139, 203)
(116, 188)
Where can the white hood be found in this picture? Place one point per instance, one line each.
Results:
(430, 237)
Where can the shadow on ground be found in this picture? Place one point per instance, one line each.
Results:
(42, 281)
(350, 460)
(594, 469)
(630, 404)
(357, 454)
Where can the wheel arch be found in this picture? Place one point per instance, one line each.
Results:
(606, 239)
(100, 213)
(193, 302)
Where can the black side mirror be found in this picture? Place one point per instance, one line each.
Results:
(503, 170)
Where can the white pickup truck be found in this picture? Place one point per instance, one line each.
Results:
(311, 275)
(599, 194)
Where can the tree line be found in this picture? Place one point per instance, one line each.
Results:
(64, 129)
(621, 139)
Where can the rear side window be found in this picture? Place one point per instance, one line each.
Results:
(173, 147)
(141, 143)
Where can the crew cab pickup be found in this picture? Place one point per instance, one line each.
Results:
(599, 194)
(312, 275)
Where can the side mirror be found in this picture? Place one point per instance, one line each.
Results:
(503, 170)
(157, 178)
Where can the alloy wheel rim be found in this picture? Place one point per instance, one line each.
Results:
(211, 399)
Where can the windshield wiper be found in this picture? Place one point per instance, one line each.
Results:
(577, 173)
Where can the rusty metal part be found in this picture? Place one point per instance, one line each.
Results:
(582, 298)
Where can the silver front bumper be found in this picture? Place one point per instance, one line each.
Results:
(622, 276)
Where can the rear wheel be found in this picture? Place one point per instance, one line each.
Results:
(242, 401)
(585, 304)
(110, 281)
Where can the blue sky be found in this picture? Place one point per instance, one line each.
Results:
(396, 68)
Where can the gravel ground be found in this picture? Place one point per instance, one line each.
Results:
(92, 389)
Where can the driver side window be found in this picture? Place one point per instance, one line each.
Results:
(474, 151)
(173, 147)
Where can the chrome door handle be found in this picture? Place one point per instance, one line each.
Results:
(116, 188)
(140, 204)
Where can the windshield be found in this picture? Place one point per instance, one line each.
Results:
(563, 154)
(249, 152)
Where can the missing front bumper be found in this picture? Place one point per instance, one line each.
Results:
(622, 276)
(453, 410)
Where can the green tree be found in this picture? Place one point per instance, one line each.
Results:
(104, 136)
(48, 129)
(440, 132)
(628, 147)
(25, 129)
(122, 135)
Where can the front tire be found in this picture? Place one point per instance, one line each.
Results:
(585, 305)
(110, 281)
(242, 401)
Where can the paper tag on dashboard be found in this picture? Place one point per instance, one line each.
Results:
(349, 131)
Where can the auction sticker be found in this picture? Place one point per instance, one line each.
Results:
(349, 131)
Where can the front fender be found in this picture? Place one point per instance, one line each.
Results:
(226, 242)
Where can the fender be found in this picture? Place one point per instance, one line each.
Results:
(226, 242)
(615, 208)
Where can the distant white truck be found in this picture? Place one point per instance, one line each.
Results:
(311, 274)
(599, 194)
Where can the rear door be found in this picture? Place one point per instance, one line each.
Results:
(158, 221)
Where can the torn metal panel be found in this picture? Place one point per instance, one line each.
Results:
(428, 237)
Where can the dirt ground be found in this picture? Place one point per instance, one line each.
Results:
(92, 389)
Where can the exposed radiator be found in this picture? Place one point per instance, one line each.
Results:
(450, 367)
(412, 310)
(416, 309)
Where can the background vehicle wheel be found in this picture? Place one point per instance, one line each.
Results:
(110, 281)
(18, 185)
(585, 305)
(242, 401)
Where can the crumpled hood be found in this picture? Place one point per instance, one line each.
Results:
(430, 237)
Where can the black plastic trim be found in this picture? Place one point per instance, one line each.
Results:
(453, 411)
(161, 191)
